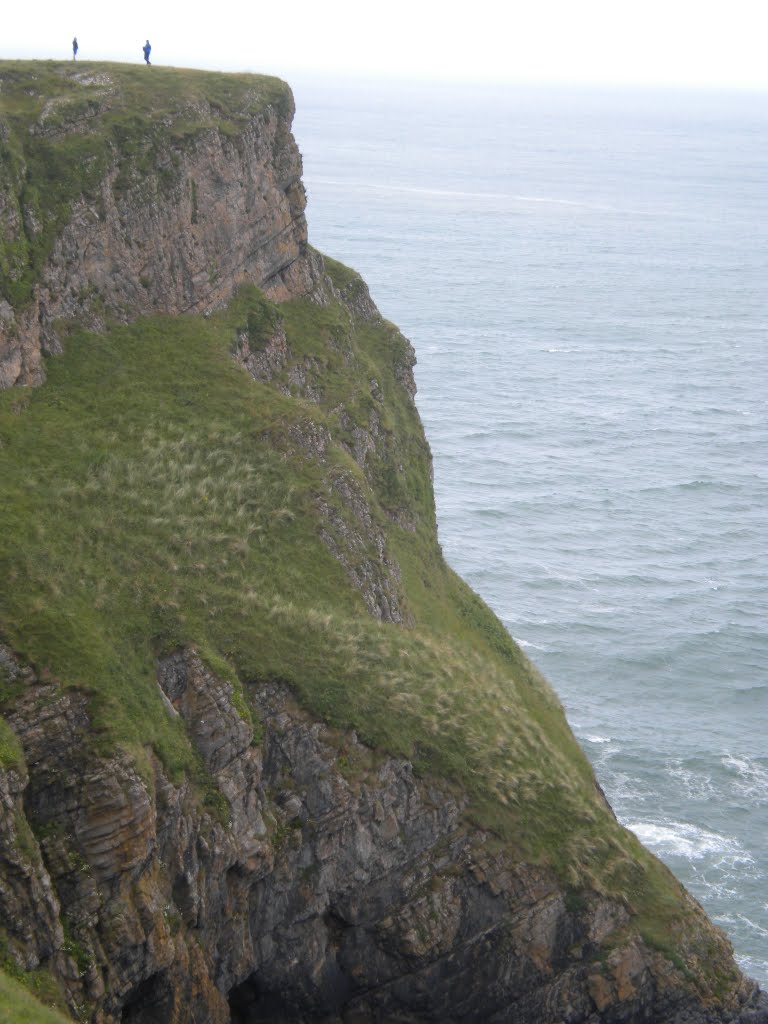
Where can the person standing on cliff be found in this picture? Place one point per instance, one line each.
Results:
(75, 48)
(146, 50)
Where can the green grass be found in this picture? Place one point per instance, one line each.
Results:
(11, 754)
(26, 1003)
(151, 502)
(67, 123)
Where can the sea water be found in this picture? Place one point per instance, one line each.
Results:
(584, 277)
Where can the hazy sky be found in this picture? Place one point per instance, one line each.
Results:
(653, 42)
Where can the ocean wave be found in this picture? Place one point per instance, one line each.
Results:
(516, 617)
(729, 920)
(528, 645)
(754, 925)
(681, 839)
(752, 966)
(694, 784)
(751, 777)
(624, 790)
(601, 609)
(572, 579)
(721, 486)
(753, 934)
(445, 193)
(749, 693)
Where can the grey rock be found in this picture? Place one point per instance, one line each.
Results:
(233, 212)
(342, 887)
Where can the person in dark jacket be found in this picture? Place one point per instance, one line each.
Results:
(146, 50)
(75, 48)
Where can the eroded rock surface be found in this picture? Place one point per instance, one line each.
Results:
(216, 211)
(338, 886)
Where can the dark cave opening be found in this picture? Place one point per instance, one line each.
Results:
(150, 1003)
(250, 1004)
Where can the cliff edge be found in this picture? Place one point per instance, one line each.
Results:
(263, 756)
(122, 196)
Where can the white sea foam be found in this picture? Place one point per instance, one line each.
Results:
(529, 645)
(598, 739)
(752, 777)
(695, 785)
(681, 839)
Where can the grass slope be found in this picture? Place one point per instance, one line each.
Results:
(153, 497)
(18, 1005)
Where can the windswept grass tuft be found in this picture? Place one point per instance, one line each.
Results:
(31, 997)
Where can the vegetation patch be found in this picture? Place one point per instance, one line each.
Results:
(11, 754)
(29, 997)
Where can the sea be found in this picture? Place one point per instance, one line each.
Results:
(584, 277)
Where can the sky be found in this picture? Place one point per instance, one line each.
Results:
(657, 43)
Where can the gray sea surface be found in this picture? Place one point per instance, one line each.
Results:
(584, 277)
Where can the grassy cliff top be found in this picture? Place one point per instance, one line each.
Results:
(63, 125)
(60, 96)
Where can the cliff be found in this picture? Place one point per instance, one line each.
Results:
(263, 756)
(123, 196)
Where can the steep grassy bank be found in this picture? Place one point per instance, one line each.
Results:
(156, 496)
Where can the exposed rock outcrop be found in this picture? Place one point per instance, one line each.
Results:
(213, 209)
(338, 887)
(360, 546)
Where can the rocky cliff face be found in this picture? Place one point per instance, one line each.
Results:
(174, 234)
(339, 887)
(232, 849)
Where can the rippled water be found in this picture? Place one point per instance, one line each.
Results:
(585, 280)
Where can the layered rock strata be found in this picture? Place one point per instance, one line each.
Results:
(337, 887)
(213, 210)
